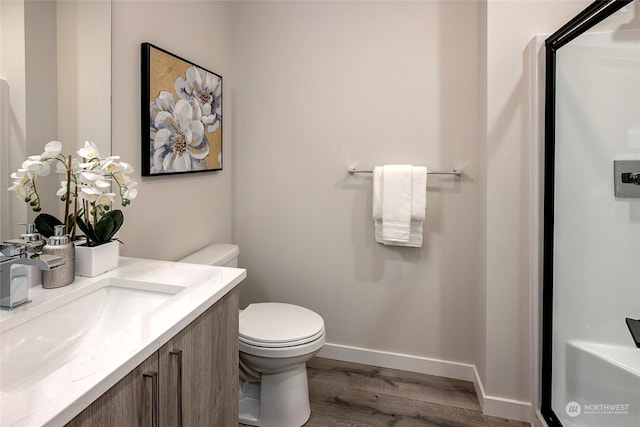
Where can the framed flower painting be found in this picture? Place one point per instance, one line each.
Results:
(181, 115)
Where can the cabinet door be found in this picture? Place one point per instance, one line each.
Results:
(128, 403)
(199, 366)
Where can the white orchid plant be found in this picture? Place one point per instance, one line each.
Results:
(92, 184)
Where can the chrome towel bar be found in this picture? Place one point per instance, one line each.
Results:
(456, 172)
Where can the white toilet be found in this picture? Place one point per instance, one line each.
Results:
(276, 340)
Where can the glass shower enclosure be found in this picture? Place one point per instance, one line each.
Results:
(591, 294)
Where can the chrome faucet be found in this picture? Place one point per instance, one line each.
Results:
(14, 286)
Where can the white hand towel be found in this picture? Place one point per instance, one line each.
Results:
(377, 192)
(396, 202)
(418, 192)
(394, 228)
(415, 235)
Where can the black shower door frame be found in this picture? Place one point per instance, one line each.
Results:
(595, 13)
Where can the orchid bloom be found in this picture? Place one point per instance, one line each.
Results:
(36, 165)
(89, 151)
(52, 150)
(91, 181)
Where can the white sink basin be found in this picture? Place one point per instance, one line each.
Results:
(70, 345)
(106, 314)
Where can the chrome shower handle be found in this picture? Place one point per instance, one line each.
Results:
(626, 172)
(631, 178)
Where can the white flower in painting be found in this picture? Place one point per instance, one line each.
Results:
(206, 88)
(179, 141)
(165, 101)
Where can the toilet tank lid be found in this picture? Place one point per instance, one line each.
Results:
(216, 254)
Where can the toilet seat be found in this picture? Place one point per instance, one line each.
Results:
(272, 324)
(279, 330)
(282, 352)
(259, 343)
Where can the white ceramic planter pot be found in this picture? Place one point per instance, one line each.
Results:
(94, 260)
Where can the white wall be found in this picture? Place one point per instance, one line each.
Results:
(321, 87)
(503, 316)
(173, 215)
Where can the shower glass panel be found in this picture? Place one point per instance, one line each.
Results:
(592, 237)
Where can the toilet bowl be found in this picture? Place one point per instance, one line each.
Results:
(275, 340)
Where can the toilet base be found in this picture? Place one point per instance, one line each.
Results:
(278, 400)
(249, 403)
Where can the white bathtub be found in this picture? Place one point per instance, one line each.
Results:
(604, 380)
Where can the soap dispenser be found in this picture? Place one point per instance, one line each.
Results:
(60, 245)
(32, 239)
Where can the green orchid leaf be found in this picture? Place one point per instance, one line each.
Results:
(118, 219)
(72, 223)
(46, 223)
(109, 225)
(104, 228)
(87, 230)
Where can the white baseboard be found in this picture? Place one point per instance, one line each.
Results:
(491, 405)
(538, 420)
(501, 406)
(404, 362)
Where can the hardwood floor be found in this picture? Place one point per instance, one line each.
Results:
(354, 395)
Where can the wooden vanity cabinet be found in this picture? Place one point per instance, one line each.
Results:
(128, 403)
(200, 370)
(195, 384)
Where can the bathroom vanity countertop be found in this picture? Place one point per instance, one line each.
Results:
(80, 379)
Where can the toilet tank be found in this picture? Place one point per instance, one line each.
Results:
(221, 254)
